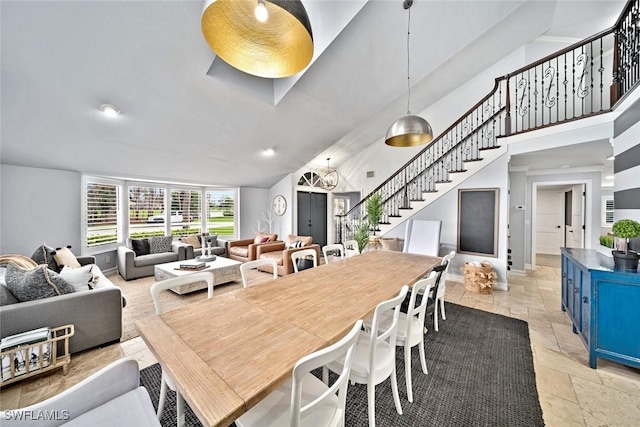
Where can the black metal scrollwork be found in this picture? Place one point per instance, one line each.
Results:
(550, 73)
(522, 108)
(583, 86)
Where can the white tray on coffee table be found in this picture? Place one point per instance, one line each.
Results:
(224, 270)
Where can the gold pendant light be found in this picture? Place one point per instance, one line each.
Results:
(408, 131)
(265, 38)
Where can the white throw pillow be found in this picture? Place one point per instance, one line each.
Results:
(81, 279)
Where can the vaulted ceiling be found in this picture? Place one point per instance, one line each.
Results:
(186, 117)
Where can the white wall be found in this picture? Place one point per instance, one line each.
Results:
(283, 225)
(254, 202)
(445, 209)
(39, 206)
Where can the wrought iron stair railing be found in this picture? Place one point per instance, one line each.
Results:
(577, 82)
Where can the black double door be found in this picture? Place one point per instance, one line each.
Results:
(312, 216)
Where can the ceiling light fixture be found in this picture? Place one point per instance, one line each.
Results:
(261, 12)
(269, 152)
(408, 131)
(110, 110)
(329, 177)
(281, 47)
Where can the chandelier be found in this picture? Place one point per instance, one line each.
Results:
(408, 131)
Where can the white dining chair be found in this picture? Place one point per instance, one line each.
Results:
(304, 399)
(375, 355)
(327, 251)
(351, 248)
(411, 326)
(156, 288)
(439, 297)
(252, 265)
(303, 254)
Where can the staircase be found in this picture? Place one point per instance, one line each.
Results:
(580, 81)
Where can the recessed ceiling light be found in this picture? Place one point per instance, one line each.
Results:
(565, 166)
(110, 110)
(269, 152)
(611, 157)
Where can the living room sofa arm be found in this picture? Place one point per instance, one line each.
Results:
(96, 315)
(126, 259)
(184, 250)
(263, 248)
(87, 259)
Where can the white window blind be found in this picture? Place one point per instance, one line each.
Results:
(221, 211)
(607, 211)
(102, 205)
(186, 212)
(146, 211)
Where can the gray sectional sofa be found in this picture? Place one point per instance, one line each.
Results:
(132, 266)
(96, 314)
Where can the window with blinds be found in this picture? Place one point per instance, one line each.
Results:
(146, 211)
(186, 212)
(101, 221)
(220, 210)
(607, 211)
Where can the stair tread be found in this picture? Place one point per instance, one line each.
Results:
(489, 148)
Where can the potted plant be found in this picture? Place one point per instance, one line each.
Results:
(626, 229)
(362, 236)
(374, 213)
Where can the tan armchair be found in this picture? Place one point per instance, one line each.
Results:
(281, 252)
(245, 250)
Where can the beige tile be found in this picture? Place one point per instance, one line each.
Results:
(604, 405)
(560, 412)
(10, 397)
(556, 383)
(558, 360)
(564, 334)
(544, 340)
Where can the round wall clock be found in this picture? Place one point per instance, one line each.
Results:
(279, 205)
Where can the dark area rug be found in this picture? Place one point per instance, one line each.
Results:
(480, 374)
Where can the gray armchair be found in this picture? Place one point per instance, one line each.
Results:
(110, 397)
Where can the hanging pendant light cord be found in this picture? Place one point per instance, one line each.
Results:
(408, 75)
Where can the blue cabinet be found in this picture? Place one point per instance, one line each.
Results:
(603, 304)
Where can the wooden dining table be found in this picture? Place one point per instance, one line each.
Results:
(227, 353)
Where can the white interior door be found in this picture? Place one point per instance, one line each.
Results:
(548, 222)
(574, 216)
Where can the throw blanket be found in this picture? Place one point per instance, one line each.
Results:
(21, 261)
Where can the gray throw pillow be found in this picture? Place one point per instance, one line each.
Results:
(29, 285)
(44, 255)
(160, 244)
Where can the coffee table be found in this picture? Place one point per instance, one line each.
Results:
(224, 270)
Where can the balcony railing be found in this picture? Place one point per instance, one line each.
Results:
(580, 81)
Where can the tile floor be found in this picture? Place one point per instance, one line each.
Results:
(571, 393)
